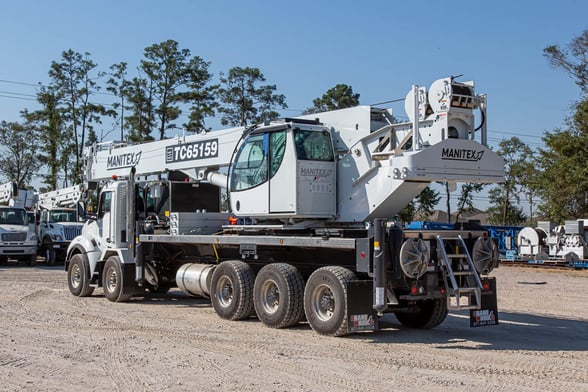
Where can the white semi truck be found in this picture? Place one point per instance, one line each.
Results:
(61, 215)
(310, 232)
(17, 235)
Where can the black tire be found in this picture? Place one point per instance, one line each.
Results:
(3, 260)
(49, 254)
(232, 290)
(78, 276)
(278, 295)
(430, 314)
(325, 300)
(113, 281)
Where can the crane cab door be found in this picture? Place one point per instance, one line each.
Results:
(249, 184)
(261, 183)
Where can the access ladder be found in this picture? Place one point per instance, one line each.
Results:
(459, 274)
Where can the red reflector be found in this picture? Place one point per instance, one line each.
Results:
(362, 255)
(443, 291)
(233, 220)
(414, 290)
(486, 285)
(114, 177)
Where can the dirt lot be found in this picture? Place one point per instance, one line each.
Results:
(53, 341)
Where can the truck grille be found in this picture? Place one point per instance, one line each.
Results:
(14, 236)
(72, 232)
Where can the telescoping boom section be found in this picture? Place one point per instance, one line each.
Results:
(294, 218)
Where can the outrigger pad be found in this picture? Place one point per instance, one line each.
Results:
(488, 312)
(361, 316)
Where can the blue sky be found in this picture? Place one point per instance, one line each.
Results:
(380, 48)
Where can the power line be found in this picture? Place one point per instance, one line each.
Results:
(13, 93)
(43, 85)
(23, 98)
(21, 83)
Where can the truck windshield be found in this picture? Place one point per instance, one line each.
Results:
(57, 216)
(12, 216)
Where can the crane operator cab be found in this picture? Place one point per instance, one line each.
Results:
(285, 171)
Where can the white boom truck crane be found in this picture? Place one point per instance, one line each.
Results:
(17, 235)
(312, 199)
(60, 221)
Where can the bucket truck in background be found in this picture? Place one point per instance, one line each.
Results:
(18, 239)
(61, 215)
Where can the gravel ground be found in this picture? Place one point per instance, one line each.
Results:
(53, 341)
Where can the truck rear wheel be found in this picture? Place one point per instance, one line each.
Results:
(231, 290)
(78, 279)
(278, 295)
(113, 281)
(430, 314)
(325, 300)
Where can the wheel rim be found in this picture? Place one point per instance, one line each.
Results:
(270, 296)
(111, 280)
(224, 292)
(76, 276)
(323, 302)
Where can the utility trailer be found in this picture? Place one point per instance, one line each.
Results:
(310, 231)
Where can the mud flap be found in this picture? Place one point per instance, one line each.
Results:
(361, 315)
(130, 286)
(488, 312)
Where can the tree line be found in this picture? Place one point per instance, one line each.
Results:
(172, 84)
(169, 84)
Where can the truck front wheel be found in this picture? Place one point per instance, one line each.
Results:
(325, 300)
(278, 295)
(78, 280)
(429, 314)
(113, 281)
(231, 290)
(48, 252)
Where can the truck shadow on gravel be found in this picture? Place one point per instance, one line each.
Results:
(516, 331)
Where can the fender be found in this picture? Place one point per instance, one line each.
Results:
(87, 245)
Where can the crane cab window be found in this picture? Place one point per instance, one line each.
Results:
(251, 164)
(313, 145)
(250, 167)
(277, 150)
